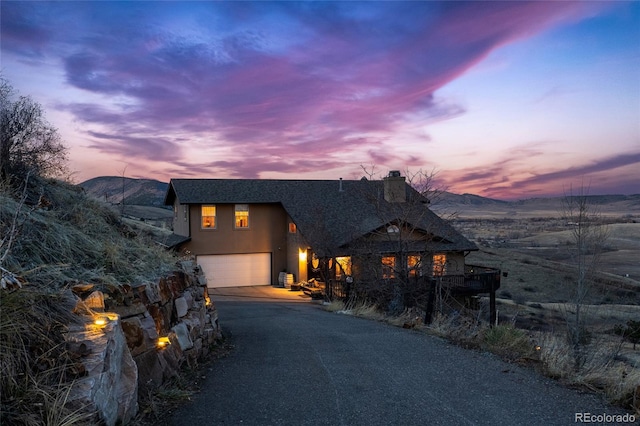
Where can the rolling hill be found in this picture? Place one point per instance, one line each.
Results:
(138, 192)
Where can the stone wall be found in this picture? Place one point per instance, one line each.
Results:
(138, 336)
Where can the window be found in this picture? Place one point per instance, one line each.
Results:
(185, 211)
(242, 216)
(292, 228)
(439, 264)
(413, 265)
(388, 267)
(208, 217)
(343, 266)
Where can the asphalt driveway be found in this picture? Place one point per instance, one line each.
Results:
(296, 364)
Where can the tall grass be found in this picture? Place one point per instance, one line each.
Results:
(36, 371)
(76, 238)
(63, 239)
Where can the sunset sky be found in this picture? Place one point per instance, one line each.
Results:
(503, 99)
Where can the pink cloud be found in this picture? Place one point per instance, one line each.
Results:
(290, 86)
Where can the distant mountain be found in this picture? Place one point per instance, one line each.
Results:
(449, 198)
(140, 192)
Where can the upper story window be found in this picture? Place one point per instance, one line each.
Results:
(242, 216)
(439, 264)
(208, 217)
(292, 228)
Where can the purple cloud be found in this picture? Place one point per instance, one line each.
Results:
(318, 82)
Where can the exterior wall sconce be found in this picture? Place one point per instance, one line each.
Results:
(302, 255)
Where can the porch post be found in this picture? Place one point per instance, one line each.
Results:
(430, 299)
(492, 305)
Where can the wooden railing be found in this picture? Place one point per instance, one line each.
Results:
(475, 280)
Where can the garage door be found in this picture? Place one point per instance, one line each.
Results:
(236, 270)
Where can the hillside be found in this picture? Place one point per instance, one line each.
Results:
(140, 192)
(469, 206)
(67, 235)
(62, 243)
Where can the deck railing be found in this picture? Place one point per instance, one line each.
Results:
(475, 280)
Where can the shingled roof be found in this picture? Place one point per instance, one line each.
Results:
(330, 214)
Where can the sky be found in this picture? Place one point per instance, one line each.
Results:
(508, 100)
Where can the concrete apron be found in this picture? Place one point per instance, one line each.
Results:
(260, 293)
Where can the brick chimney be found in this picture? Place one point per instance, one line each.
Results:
(394, 188)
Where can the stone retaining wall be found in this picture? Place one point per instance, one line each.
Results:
(123, 357)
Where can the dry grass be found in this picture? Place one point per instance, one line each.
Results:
(602, 371)
(334, 306)
(358, 309)
(75, 237)
(508, 342)
(65, 239)
(36, 370)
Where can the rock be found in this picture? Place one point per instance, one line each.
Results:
(80, 289)
(81, 309)
(140, 292)
(150, 370)
(165, 291)
(153, 292)
(149, 327)
(182, 334)
(158, 318)
(188, 297)
(129, 311)
(202, 280)
(132, 328)
(110, 387)
(181, 307)
(141, 334)
(95, 301)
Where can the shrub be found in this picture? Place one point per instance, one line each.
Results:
(630, 333)
(508, 342)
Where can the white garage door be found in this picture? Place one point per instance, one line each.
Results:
(236, 270)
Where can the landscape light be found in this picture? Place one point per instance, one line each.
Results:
(163, 342)
(101, 320)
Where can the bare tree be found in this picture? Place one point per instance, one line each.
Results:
(123, 173)
(588, 240)
(28, 143)
(402, 278)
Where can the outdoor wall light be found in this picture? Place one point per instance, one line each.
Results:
(302, 254)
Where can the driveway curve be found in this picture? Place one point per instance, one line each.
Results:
(296, 364)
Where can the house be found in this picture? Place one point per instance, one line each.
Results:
(247, 231)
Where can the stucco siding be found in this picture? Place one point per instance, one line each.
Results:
(266, 233)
